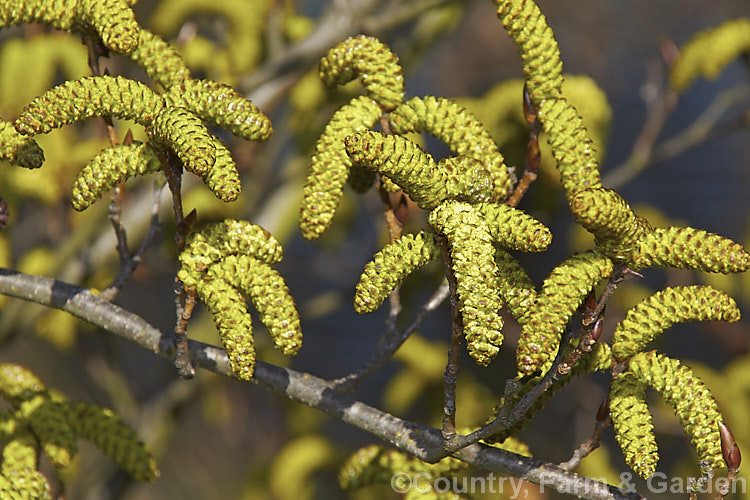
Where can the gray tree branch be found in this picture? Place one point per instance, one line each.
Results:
(421, 441)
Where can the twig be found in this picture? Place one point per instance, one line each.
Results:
(418, 440)
(391, 343)
(457, 332)
(131, 263)
(603, 420)
(660, 102)
(184, 299)
(705, 128)
(533, 153)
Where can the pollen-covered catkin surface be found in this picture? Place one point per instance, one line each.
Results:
(49, 422)
(461, 132)
(21, 452)
(540, 54)
(91, 96)
(660, 311)
(515, 229)
(515, 287)
(709, 52)
(467, 179)
(112, 166)
(690, 248)
(371, 61)
(113, 20)
(562, 293)
(25, 484)
(390, 266)
(219, 240)
(604, 213)
(182, 132)
(571, 146)
(270, 296)
(688, 396)
(18, 383)
(330, 165)
(222, 106)
(159, 59)
(233, 322)
(632, 424)
(114, 438)
(403, 162)
(223, 178)
(60, 14)
(473, 264)
(18, 149)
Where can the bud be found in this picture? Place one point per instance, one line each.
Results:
(729, 448)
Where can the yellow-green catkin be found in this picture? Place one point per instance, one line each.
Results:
(222, 106)
(233, 322)
(21, 452)
(110, 167)
(690, 248)
(403, 162)
(708, 52)
(515, 287)
(18, 383)
(223, 178)
(688, 396)
(18, 149)
(515, 229)
(376, 464)
(632, 424)
(660, 311)
(114, 438)
(184, 133)
(113, 20)
(25, 484)
(77, 100)
(571, 146)
(467, 179)
(390, 266)
(473, 265)
(461, 132)
(50, 425)
(330, 165)
(616, 228)
(219, 240)
(61, 14)
(540, 54)
(562, 293)
(269, 295)
(159, 59)
(371, 61)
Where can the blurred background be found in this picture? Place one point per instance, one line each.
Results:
(219, 438)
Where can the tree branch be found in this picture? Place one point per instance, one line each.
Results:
(421, 441)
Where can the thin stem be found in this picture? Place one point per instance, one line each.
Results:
(660, 102)
(128, 267)
(457, 333)
(421, 441)
(533, 153)
(184, 299)
(392, 341)
(603, 420)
